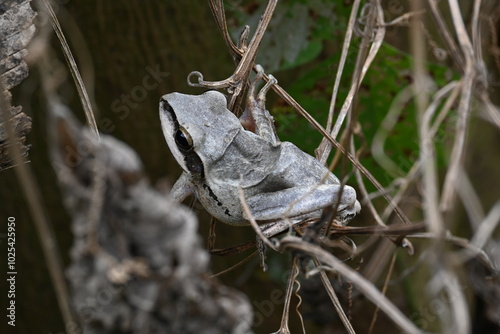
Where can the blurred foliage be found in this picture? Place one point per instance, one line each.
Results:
(303, 32)
(295, 33)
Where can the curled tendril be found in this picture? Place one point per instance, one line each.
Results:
(229, 84)
(409, 247)
(362, 20)
(200, 79)
(440, 54)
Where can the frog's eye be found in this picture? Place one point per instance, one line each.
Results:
(183, 139)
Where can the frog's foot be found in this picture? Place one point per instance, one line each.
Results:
(345, 215)
(262, 94)
(258, 77)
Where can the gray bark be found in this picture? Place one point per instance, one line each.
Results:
(137, 265)
(16, 30)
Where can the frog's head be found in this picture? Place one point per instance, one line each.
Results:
(198, 128)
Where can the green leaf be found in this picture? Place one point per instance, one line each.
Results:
(307, 54)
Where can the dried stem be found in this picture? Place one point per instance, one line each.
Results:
(463, 107)
(338, 77)
(77, 78)
(335, 300)
(364, 286)
(384, 290)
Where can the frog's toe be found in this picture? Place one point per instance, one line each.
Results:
(349, 197)
(357, 207)
(272, 81)
(349, 213)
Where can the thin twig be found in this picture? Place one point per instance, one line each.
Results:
(363, 285)
(245, 260)
(486, 227)
(77, 78)
(252, 221)
(284, 329)
(448, 39)
(405, 17)
(491, 113)
(237, 81)
(390, 120)
(379, 36)
(217, 8)
(427, 154)
(463, 107)
(384, 290)
(470, 199)
(333, 297)
(415, 169)
(376, 20)
(464, 243)
(338, 77)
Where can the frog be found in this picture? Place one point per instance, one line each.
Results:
(220, 154)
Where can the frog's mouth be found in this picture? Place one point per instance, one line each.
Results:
(169, 126)
(172, 122)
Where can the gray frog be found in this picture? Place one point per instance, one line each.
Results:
(218, 156)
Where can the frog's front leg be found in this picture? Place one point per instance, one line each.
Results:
(182, 188)
(304, 201)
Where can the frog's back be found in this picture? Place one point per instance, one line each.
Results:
(299, 168)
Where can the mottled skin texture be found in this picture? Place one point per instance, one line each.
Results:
(218, 156)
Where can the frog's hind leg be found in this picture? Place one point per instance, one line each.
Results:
(256, 115)
(248, 118)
